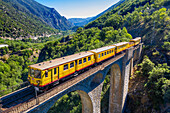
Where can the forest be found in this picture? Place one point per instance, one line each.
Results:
(149, 19)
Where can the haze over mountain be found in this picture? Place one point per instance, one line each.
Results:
(79, 21)
(84, 21)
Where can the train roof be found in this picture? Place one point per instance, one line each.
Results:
(121, 43)
(58, 61)
(136, 39)
(98, 50)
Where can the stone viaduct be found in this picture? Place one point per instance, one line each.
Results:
(89, 86)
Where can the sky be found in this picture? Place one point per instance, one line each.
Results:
(78, 8)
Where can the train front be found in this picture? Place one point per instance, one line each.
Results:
(35, 77)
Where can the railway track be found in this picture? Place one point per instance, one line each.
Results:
(16, 97)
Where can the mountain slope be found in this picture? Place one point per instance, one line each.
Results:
(48, 15)
(15, 23)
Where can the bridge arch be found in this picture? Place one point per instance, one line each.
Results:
(115, 89)
(87, 106)
(86, 102)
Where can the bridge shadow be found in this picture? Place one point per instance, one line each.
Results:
(96, 80)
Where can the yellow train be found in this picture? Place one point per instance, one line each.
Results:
(136, 41)
(45, 74)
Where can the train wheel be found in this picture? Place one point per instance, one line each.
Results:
(75, 74)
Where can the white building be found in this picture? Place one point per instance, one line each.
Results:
(3, 45)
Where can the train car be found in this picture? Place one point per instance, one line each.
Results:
(121, 46)
(85, 60)
(136, 41)
(131, 44)
(50, 72)
(103, 53)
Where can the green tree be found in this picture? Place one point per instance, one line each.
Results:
(146, 66)
(158, 84)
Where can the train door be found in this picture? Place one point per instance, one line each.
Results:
(55, 74)
(84, 62)
(79, 64)
(50, 74)
(76, 66)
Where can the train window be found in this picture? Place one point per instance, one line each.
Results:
(76, 62)
(102, 54)
(46, 74)
(99, 55)
(72, 65)
(89, 58)
(66, 67)
(84, 60)
(55, 71)
(112, 51)
(32, 72)
(80, 62)
(105, 53)
(37, 74)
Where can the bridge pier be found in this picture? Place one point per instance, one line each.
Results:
(115, 90)
(125, 75)
(119, 83)
(95, 96)
(131, 66)
(91, 100)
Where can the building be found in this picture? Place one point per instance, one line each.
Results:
(3, 45)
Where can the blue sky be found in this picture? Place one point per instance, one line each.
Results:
(78, 8)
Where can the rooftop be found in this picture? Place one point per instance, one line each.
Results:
(102, 49)
(3, 45)
(121, 43)
(136, 39)
(58, 61)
